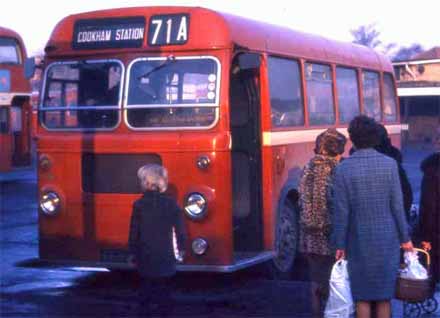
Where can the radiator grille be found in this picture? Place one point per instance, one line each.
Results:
(113, 173)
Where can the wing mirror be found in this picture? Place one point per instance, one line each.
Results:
(29, 67)
(249, 61)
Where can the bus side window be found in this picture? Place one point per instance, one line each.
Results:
(348, 94)
(286, 100)
(389, 99)
(4, 120)
(370, 89)
(319, 94)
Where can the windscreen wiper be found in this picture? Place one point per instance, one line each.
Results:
(170, 59)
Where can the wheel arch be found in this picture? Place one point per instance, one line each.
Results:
(288, 231)
(290, 189)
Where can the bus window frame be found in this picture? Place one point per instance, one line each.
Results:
(360, 89)
(299, 63)
(306, 98)
(382, 96)
(215, 105)
(394, 91)
(118, 107)
(379, 73)
(358, 86)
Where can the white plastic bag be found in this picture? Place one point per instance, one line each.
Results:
(413, 269)
(340, 302)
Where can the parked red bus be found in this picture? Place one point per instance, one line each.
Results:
(229, 105)
(15, 112)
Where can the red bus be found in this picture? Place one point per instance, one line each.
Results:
(15, 112)
(230, 106)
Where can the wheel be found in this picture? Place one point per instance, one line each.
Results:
(411, 310)
(286, 239)
(430, 305)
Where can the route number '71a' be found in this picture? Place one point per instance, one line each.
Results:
(168, 29)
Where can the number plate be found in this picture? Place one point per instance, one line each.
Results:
(170, 29)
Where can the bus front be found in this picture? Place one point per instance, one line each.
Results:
(124, 88)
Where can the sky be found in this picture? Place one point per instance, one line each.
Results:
(400, 22)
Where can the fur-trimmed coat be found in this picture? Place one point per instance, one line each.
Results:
(315, 219)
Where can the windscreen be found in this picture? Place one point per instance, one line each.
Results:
(173, 92)
(82, 95)
(9, 52)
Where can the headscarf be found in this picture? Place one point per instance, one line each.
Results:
(330, 142)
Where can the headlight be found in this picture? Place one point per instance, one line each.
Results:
(196, 206)
(50, 203)
(199, 246)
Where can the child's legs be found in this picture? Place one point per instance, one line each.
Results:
(146, 290)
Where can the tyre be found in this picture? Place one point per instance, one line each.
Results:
(286, 241)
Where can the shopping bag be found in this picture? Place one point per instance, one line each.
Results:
(414, 284)
(340, 302)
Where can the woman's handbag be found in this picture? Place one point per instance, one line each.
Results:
(415, 290)
(340, 301)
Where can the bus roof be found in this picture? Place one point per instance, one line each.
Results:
(5, 32)
(230, 30)
(8, 33)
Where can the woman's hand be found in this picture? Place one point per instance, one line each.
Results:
(340, 254)
(407, 247)
(180, 256)
(426, 246)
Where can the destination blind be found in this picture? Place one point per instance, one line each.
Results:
(105, 33)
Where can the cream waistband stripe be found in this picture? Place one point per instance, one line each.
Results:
(275, 138)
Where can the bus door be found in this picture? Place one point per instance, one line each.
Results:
(244, 103)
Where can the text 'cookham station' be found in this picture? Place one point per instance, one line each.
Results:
(106, 35)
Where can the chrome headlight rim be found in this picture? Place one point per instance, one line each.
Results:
(50, 203)
(196, 205)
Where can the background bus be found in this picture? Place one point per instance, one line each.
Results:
(15, 112)
(232, 113)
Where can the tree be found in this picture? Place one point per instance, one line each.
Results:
(366, 35)
(406, 53)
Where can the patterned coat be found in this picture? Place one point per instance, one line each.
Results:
(369, 222)
(315, 220)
